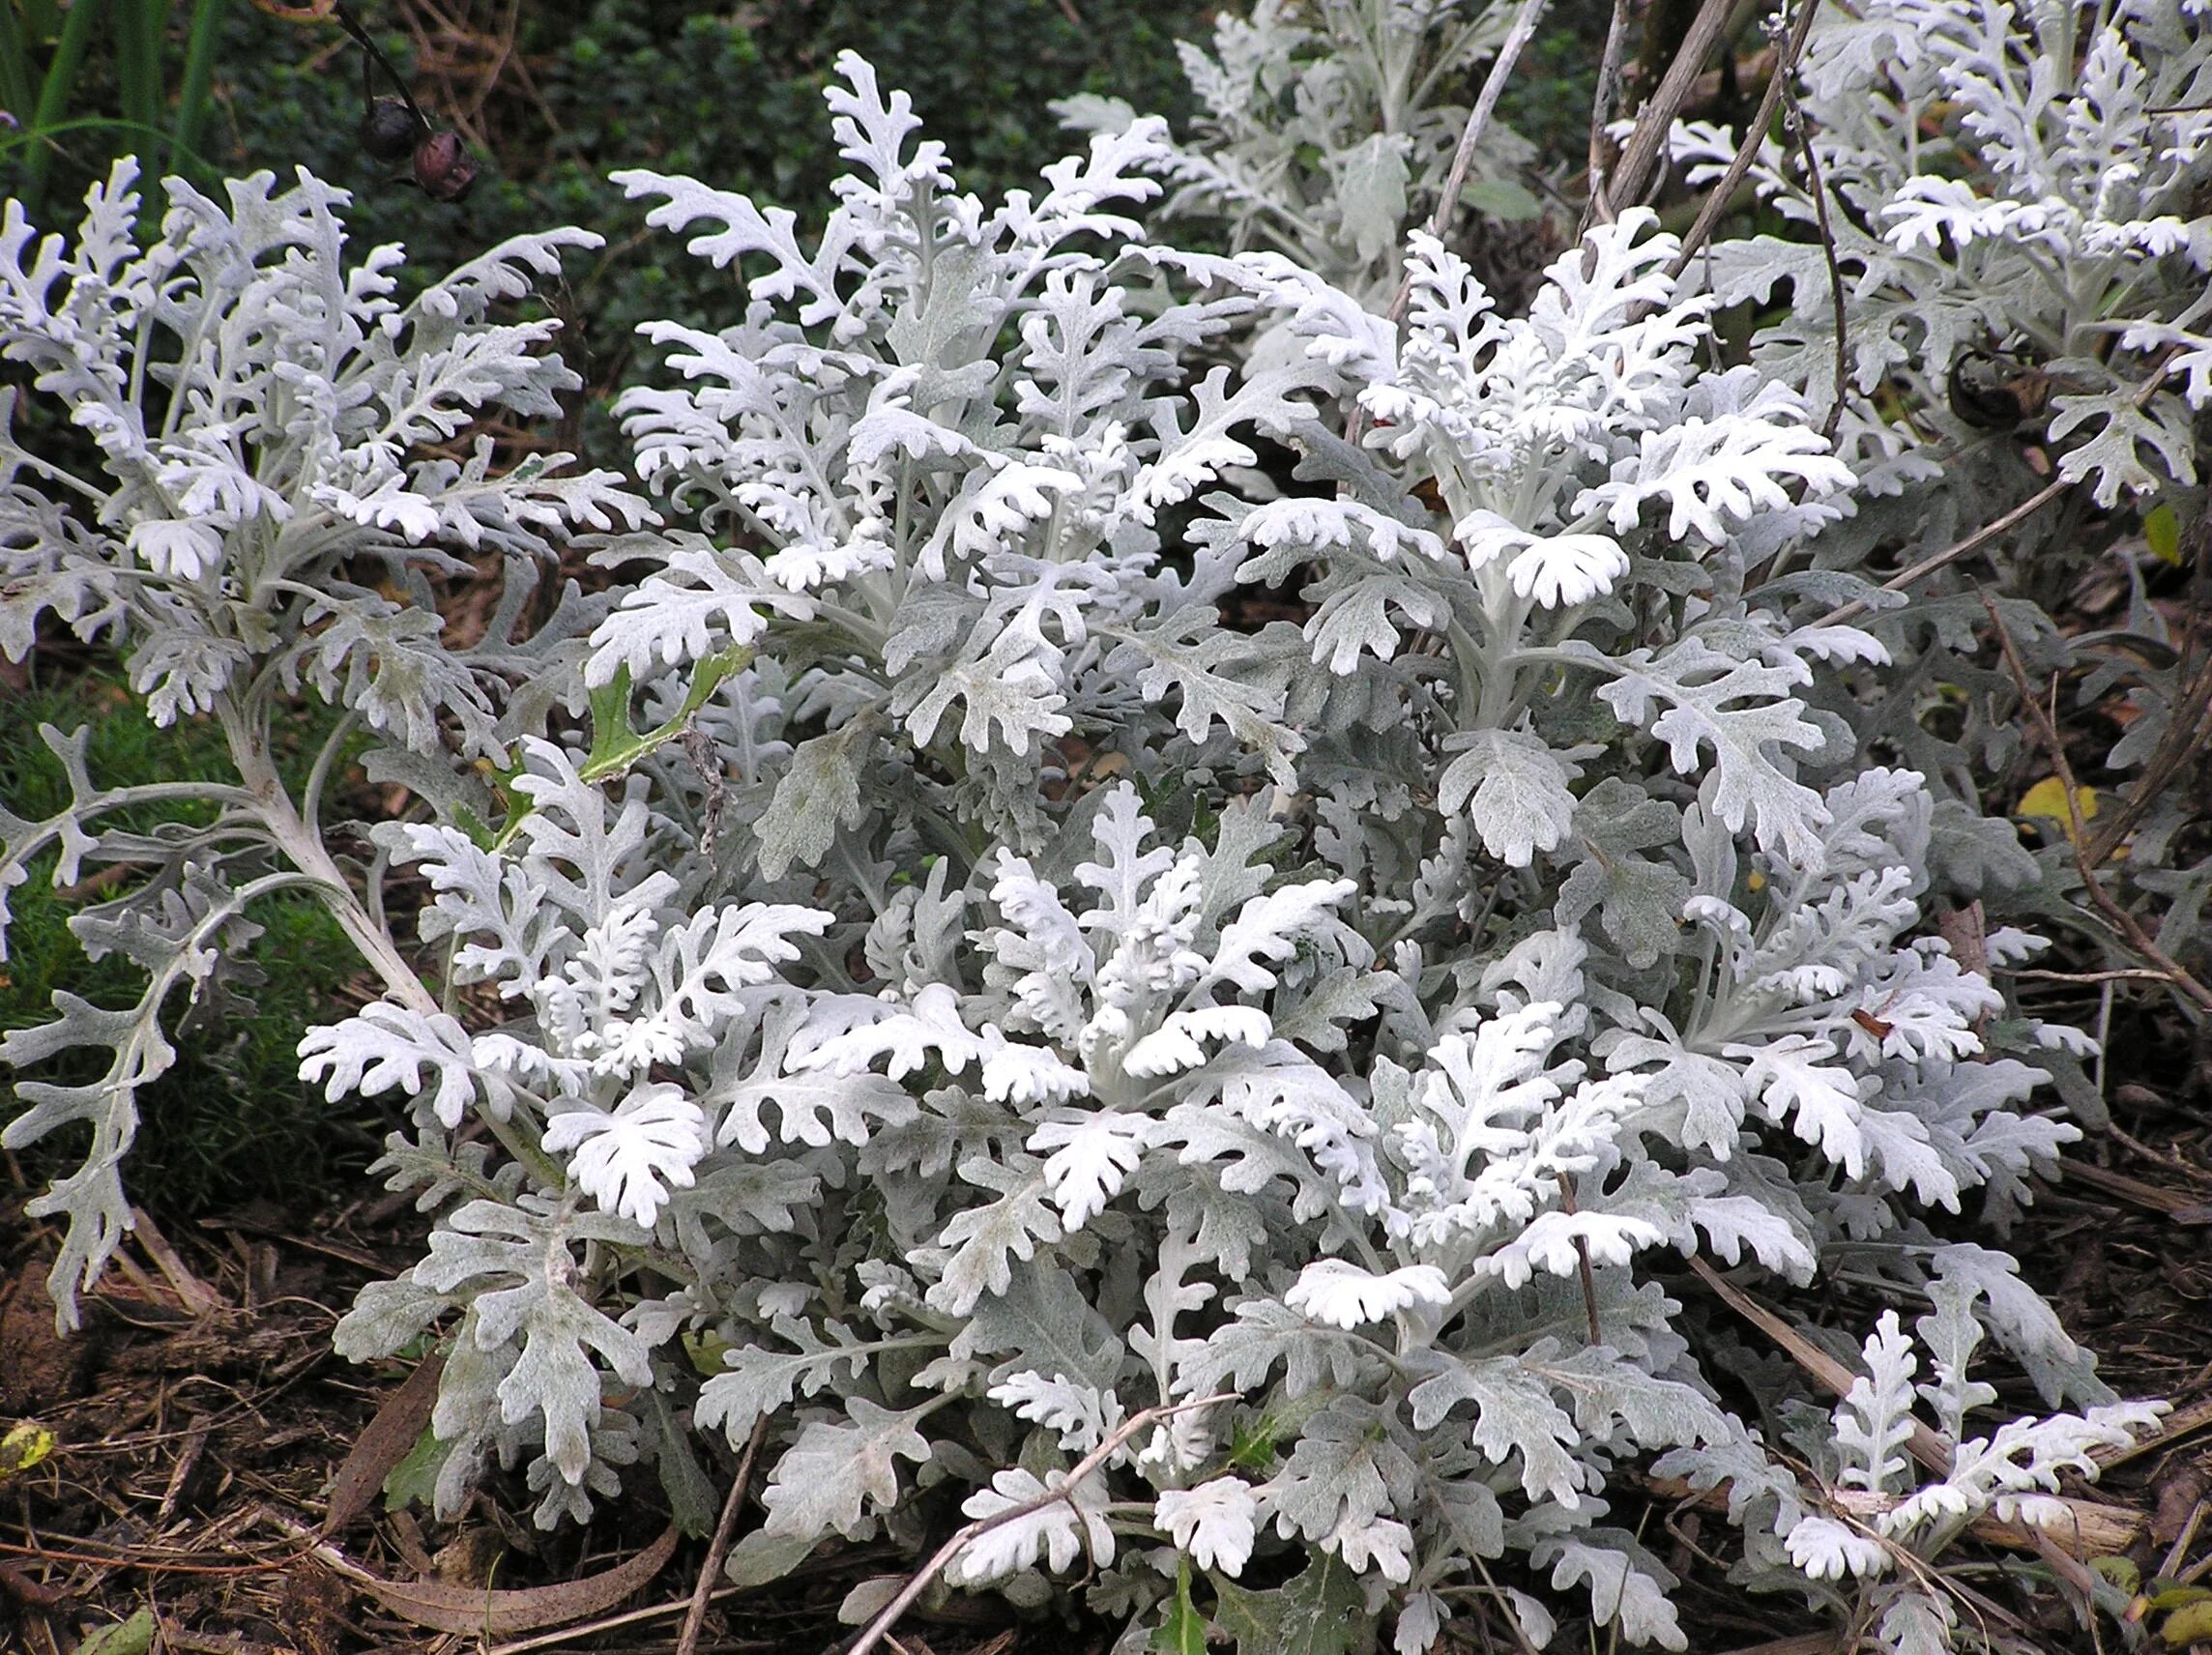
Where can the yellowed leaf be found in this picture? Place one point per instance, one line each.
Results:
(23, 1447)
(2047, 800)
(706, 1352)
(2162, 530)
(2190, 1624)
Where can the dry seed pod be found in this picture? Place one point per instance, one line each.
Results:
(1995, 393)
(443, 168)
(389, 130)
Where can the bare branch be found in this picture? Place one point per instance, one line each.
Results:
(1717, 201)
(2121, 921)
(1951, 554)
(879, 1629)
(695, 1617)
(1640, 158)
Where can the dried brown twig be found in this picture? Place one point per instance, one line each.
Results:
(1951, 554)
(1640, 156)
(1755, 134)
(1802, 131)
(1604, 106)
(879, 1629)
(695, 1617)
(1509, 51)
(2129, 929)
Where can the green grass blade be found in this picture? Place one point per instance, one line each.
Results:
(139, 26)
(53, 96)
(134, 140)
(16, 90)
(199, 68)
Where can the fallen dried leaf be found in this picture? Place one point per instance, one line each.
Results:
(495, 1613)
(393, 1431)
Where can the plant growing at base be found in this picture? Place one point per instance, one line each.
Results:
(1022, 1001)
(251, 513)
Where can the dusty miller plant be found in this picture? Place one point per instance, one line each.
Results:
(1328, 127)
(2009, 188)
(1886, 1526)
(1085, 1007)
(247, 511)
(2016, 211)
(1024, 1002)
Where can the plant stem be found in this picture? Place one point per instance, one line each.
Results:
(304, 848)
(1717, 200)
(2125, 924)
(880, 1628)
(695, 1617)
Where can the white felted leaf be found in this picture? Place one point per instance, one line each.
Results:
(1828, 1550)
(1561, 570)
(1793, 1078)
(1549, 1244)
(630, 1159)
(1090, 1158)
(1267, 930)
(1342, 1294)
(1748, 783)
(704, 599)
(1514, 790)
(1732, 1223)
(1874, 1419)
(758, 1378)
(1627, 1587)
(1060, 1532)
(906, 1036)
(1215, 1523)
(1714, 475)
(390, 1046)
(1017, 1073)
(1081, 1414)
(834, 1472)
(1177, 1042)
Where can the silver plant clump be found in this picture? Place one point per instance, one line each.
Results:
(1217, 1102)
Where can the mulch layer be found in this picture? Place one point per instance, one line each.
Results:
(199, 1420)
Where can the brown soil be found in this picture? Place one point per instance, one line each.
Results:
(200, 1418)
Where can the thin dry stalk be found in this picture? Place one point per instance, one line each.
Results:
(879, 1629)
(1722, 193)
(1639, 157)
(1951, 554)
(1602, 108)
(694, 1618)
(1803, 134)
(2131, 931)
(1991, 531)
(1471, 137)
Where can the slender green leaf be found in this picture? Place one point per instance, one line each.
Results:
(139, 29)
(16, 89)
(199, 68)
(1181, 1630)
(54, 94)
(133, 1637)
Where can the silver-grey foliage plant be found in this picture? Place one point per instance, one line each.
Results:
(2015, 206)
(247, 511)
(1023, 1001)
(1327, 127)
